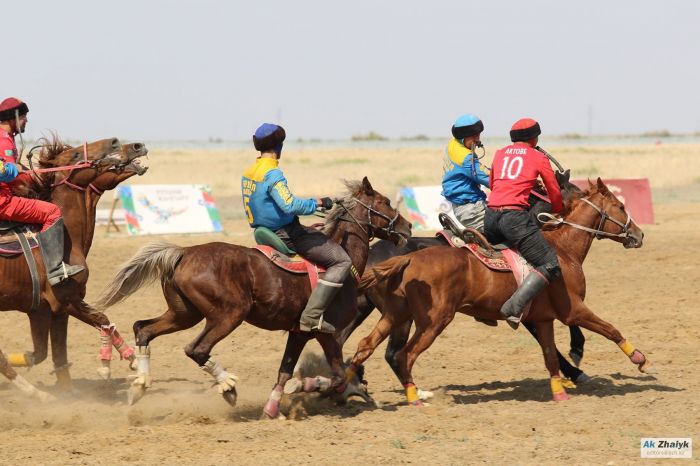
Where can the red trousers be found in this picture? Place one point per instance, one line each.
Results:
(21, 209)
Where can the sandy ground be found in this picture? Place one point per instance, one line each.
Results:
(493, 400)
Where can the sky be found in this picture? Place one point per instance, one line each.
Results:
(193, 70)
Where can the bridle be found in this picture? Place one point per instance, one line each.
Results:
(85, 163)
(598, 232)
(389, 229)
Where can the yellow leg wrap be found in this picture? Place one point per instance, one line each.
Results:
(556, 384)
(19, 360)
(412, 394)
(627, 348)
(349, 374)
(568, 383)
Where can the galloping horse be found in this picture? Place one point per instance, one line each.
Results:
(82, 233)
(384, 250)
(226, 284)
(62, 170)
(431, 285)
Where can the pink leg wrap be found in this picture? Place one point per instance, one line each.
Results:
(272, 407)
(125, 350)
(310, 384)
(106, 339)
(637, 357)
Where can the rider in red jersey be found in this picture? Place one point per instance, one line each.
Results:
(13, 120)
(514, 173)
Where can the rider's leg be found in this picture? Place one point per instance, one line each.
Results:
(522, 233)
(319, 249)
(51, 237)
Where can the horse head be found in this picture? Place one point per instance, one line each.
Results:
(613, 221)
(130, 166)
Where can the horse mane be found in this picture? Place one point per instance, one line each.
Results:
(354, 188)
(40, 186)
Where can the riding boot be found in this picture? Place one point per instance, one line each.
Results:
(312, 316)
(52, 250)
(513, 309)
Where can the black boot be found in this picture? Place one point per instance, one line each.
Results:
(312, 316)
(52, 250)
(512, 310)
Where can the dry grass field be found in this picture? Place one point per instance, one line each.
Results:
(492, 402)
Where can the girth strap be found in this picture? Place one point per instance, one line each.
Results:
(33, 271)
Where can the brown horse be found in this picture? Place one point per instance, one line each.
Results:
(431, 285)
(128, 167)
(77, 168)
(227, 284)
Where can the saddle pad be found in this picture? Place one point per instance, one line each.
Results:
(9, 245)
(294, 264)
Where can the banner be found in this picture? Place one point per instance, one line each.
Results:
(423, 204)
(169, 208)
(634, 193)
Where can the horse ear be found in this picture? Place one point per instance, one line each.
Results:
(367, 187)
(590, 184)
(601, 186)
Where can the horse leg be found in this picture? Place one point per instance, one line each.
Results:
(424, 336)
(576, 345)
(570, 372)
(397, 340)
(545, 336)
(59, 351)
(585, 318)
(39, 323)
(216, 328)
(20, 382)
(295, 345)
(144, 332)
(109, 337)
(369, 343)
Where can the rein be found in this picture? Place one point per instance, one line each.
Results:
(598, 232)
(389, 229)
(70, 168)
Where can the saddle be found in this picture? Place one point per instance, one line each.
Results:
(9, 237)
(272, 247)
(498, 257)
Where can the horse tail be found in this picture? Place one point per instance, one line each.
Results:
(383, 271)
(155, 260)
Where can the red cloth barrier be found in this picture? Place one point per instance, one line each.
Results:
(634, 193)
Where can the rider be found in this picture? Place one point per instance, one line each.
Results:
(514, 173)
(13, 120)
(464, 175)
(268, 202)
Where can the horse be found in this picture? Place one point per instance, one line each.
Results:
(227, 284)
(109, 335)
(63, 175)
(384, 250)
(431, 285)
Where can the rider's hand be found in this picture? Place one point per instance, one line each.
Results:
(325, 203)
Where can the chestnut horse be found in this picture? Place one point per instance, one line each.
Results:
(384, 250)
(63, 170)
(227, 284)
(82, 233)
(431, 285)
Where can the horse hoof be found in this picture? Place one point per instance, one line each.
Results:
(133, 364)
(563, 396)
(418, 403)
(647, 368)
(136, 392)
(293, 385)
(105, 373)
(271, 410)
(583, 378)
(230, 396)
(575, 358)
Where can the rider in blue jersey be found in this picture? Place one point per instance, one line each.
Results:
(268, 202)
(464, 175)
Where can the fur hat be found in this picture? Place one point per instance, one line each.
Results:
(524, 130)
(9, 106)
(466, 126)
(268, 137)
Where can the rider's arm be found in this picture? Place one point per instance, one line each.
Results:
(550, 183)
(482, 174)
(284, 198)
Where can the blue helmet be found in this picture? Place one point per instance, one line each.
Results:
(466, 126)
